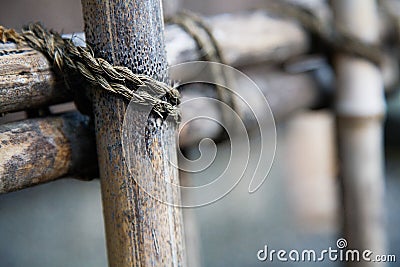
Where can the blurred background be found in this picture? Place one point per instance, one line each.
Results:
(298, 207)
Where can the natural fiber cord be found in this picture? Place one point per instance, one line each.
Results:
(71, 60)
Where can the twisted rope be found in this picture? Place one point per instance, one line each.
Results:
(70, 60)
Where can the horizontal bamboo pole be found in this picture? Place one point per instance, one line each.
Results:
(246, 38)
(36, 151)
(285, 93)
(48, 136)
(27, 80)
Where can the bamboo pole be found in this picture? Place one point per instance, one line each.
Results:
(37, 151)
(360, 110)
(192, 231)
(171, 7)
(140, 230)
(192, 234)
(286, 93)
(27, 80)
(28, 74)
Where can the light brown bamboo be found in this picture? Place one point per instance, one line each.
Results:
(360, 110)
(192, 231)
(192, 234)
(140, 230)
(244, 38)
(171, 7)
(285, 93)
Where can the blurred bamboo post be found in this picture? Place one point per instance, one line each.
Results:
(360, 110)
(192, 234)
(192, 231)
(140, 230)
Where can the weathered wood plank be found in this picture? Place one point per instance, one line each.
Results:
(140, 230)
(26, 79)
(40, 150)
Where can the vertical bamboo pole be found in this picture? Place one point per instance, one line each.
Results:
(360, 112)
(192, 232)
(140, 230)
(171, 7)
